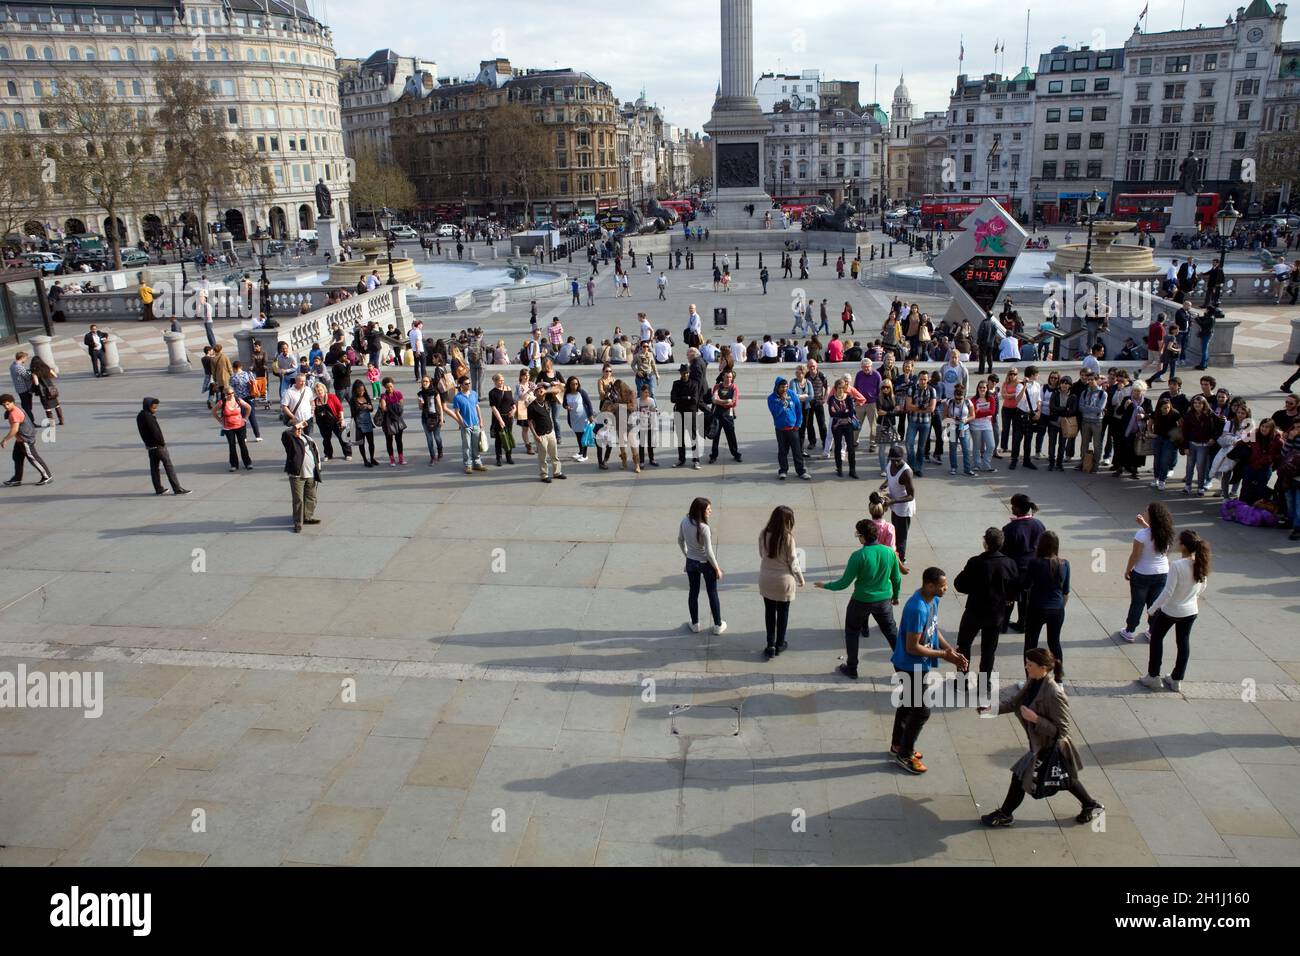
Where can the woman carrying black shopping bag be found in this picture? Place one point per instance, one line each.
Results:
(1052, 762)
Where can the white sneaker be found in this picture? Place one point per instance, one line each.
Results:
(1144, 636)
(694, 627)
(1152, 683)
(1155, 484)
(579, 457)
(719, 628)
(258, 438)
(1128, 636)
(1175, 685)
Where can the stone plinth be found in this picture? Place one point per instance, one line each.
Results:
(327, 237)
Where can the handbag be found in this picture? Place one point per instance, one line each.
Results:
(1239, 452)
(1051, 772)
(482, 440)
(1143, 445)
(1069, 427)
(712, 426)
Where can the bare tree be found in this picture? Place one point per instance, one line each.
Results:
(204, 158)
(380, 184)
(522, 157)
(103, 151)
(22, 192)
(1278, 160)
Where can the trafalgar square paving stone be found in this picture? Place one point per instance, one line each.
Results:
(457, 669)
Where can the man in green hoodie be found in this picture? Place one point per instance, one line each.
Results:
(873, 570)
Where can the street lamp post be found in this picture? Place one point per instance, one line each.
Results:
(259, 240)
(1224, 224)
(386, 220)
(178, 233)
(1092, 204)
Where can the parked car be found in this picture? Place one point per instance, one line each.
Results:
(446, 231)
(47, 262)
(94, 258)
(275, 247)
(404, 232)
(134, 257)
(896, 214)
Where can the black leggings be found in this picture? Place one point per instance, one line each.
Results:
(1016, 795)
(776, 615)
(1008, 418)
(367, 440)
(1054, 618)
(1160, 625)
(901, 523)
(844, 436)
(393, 437)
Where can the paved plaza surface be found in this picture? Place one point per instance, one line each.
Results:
(483, 669)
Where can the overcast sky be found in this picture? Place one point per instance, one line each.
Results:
(670, 47)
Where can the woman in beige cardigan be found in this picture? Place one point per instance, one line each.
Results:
(779, 575)
(1044, 711)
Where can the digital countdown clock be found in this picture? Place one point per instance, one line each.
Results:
(982, 278)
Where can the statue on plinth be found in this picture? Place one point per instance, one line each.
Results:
(1189, 175)
(324, 202)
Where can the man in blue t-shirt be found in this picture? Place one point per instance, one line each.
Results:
(464, 409)
(921, 648)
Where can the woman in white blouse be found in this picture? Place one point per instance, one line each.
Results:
(1176, 608)
(695, 539)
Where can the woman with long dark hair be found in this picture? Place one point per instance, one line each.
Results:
(1043, 710)
(844, 423)
(1176, 608)
(232, 413)
(46, 386)
(1020, 543)
(1148, 564)
(695, 539)
(390, 405)
(1200, 428)
(1047, 583)
(779, 576)
(363, 422)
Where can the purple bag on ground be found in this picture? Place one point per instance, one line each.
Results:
(1242, 513)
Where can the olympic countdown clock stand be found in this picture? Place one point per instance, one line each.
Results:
(975, 267)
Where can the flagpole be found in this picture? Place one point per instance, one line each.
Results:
(1026, 38)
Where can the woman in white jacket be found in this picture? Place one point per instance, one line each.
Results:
(1176, 607)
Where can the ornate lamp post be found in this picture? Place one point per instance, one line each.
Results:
(260, 239)
(386, 221)
(1224, 224)
(1092, 204)
(178, 234)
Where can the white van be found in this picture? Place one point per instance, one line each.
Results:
(307, 235)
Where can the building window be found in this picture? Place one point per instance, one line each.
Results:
(1058, 66)
(1072, 169)
(1239, 140)
(1073, 141)
(1169, 141)
(1204, 113)
(1076, 115)
(1165, 166)
(1144, 66)
(1096, 140)
(1051, 141)
(1247, 87)
(1178, 64)
(1099, 113)
(1105, 62)
(1201, 139)
(1171, 115)
(1135, 169)
(1143, 92)
(1251, 60)
(1078, 86)
(1053, 116)
(1054, 86)
(1101, 85)
(1080, 62)
(970, 137)
(1243, 111)
(1211, 62)
(1094, 169)
(970, 116)
(1049, 169)
(1175, 91)
(1234, 171)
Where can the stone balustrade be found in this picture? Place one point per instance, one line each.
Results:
(385, 305)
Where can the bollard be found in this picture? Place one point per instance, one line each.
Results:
(909, 251)
(177, 360)
(823, 257)
(715, 260)
(891, 250)
(873, 252)
(738, 259)
(43, 348)
(859, 255)
(760, 262)
(112, 363)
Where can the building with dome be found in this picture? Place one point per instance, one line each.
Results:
(900, 131)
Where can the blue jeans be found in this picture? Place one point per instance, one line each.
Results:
(1143, 589)
(984, 443)
(1293, 506)
(962, 437)
(1198, 460)
(918, 440)
(433, 437)
(695, 571)
(469, 446)
(645, 381)
(1205, 347)
(1166, 455)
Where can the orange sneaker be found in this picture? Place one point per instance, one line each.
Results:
(915, 753)
(911, 764)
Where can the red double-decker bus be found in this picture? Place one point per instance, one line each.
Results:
(795, 206)
(1151, 211)
(947, 210)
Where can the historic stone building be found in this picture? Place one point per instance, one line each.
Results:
(270, 67)
(367, 90)
(443, 139)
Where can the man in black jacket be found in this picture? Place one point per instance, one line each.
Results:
(302, 465)
(687, 399)
(151, 434)
(94, 342)
(990, 580)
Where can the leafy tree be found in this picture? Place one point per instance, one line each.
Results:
(379, 184)
(22, 192)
